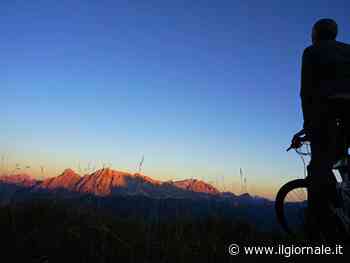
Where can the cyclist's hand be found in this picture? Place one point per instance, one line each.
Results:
(296, 142)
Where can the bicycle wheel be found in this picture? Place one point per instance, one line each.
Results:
(290, 206)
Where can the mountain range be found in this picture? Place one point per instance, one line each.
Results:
(128, 195)
(107, 182)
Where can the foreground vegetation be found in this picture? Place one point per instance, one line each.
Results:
(52, 231)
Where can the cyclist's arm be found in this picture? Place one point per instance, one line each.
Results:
(300, 133)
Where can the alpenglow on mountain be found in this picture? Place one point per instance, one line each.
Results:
(107, 182)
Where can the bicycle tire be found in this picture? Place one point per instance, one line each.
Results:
(280, 198)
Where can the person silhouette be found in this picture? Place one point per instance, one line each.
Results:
(325, 64)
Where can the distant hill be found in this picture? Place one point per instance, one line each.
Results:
(18, 179)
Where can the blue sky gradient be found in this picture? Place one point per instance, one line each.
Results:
(201, 88)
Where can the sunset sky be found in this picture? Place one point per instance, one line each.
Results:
(200, 88)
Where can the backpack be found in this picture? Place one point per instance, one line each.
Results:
(336, 89)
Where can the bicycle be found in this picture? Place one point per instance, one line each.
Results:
(291, 199)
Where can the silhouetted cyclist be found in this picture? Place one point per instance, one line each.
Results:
(325, 73)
